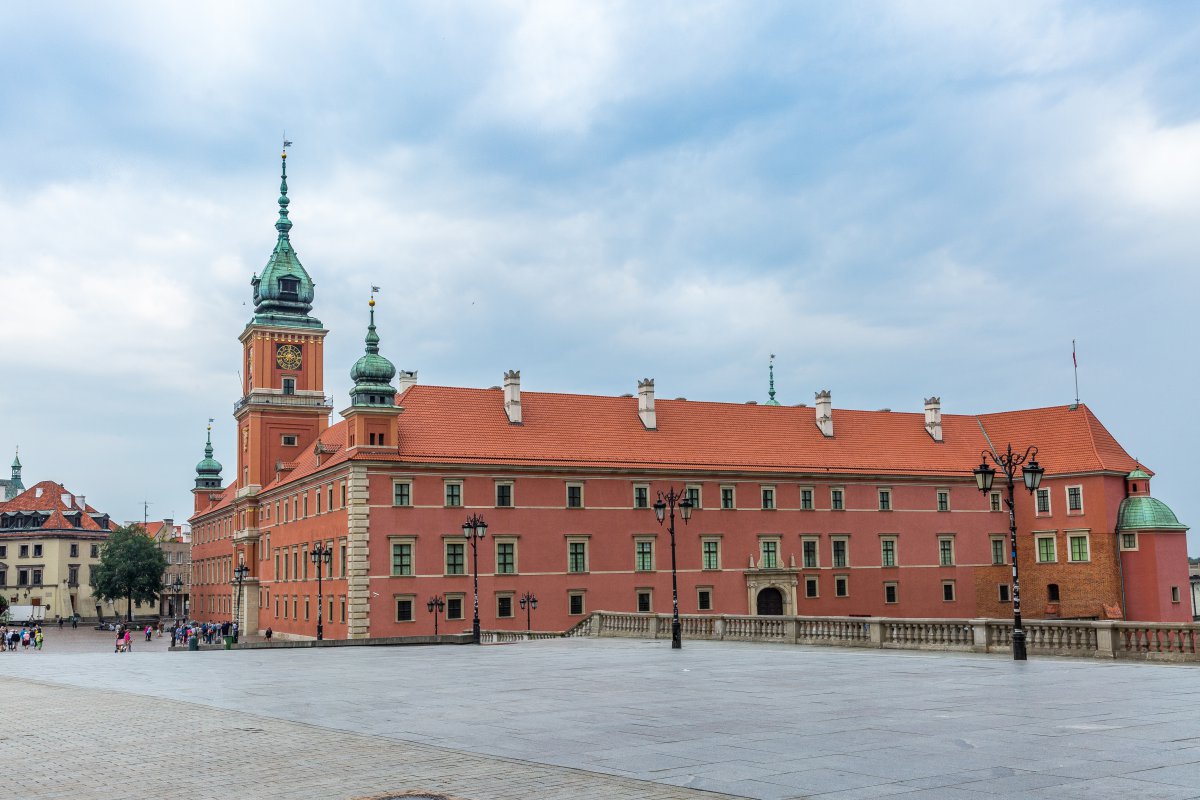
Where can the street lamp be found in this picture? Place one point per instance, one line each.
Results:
(475, 529)
(436, 605)
(320, 555)
(177, 585)
(670, 500)
(240, 572)
(1032, 475)
(528, 603)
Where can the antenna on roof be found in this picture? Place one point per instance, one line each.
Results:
(145, 516)
(1075, 364)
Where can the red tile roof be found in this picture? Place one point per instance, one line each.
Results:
(451, 425)
(47, 497)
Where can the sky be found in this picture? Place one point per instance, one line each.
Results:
(897, 200)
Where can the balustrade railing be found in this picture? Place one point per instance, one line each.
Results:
(1097, 639)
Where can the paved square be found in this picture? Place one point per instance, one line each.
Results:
(579, 718)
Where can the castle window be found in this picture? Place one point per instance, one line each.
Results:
(289, 385)
(289, 286)
(1052, 593)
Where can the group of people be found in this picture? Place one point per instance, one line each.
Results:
(26, 637)
(205, 632)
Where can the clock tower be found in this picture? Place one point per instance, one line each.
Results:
(283, 406)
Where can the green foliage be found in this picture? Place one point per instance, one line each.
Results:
(3, 605)
(131, 567)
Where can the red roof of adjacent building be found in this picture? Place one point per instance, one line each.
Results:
(451, 425)
(53, 499)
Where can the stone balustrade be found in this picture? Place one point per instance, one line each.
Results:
(1093, 639)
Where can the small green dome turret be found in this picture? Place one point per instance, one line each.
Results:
(284, 292)
(1144, 513)
(372, 374)
(208, 471)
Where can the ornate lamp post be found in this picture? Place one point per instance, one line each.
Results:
(528, 603)
(436, 605)
(240, 572)
(670, 500)
(475, 529)
(1032, 475)
(177, 585)
(321, 556)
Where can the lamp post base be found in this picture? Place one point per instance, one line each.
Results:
(1018, 645)
(475, 636)
(320, 633)
(676, 635)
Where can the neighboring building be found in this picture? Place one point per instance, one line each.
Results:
(12, 487)
(175, 542)
(799, 510)
(49, 540)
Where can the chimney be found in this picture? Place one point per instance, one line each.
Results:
(512, 395)
(824, 407)
(646, 404)
(933, 417)
(408, 378)
(82, 502)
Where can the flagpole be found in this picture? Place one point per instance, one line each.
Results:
(1075, 362)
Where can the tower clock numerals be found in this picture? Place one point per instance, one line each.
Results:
(288, 356)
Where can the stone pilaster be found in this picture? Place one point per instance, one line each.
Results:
(358, 589)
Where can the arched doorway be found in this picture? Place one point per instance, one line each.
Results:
(770, 602)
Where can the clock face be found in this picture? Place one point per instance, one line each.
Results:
(288, 356)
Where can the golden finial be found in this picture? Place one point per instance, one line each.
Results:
(371, 302)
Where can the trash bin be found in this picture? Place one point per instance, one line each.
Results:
(229, 642)
(193, 643)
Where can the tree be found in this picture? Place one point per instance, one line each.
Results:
(131, 568)
(3, 606)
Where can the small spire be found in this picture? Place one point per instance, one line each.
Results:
(283, 224)
(771, 391)
(17, 459)
(208, 448)
(372, 336)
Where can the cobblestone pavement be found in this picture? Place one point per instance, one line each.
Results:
(584, 718)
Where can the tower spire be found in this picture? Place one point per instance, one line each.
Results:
(283, 224)
(372, 374)
(208, 471)
(771, 391)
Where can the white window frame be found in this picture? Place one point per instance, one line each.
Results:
(840, 490)
(699, 489)
(646, 488)
(512, 493)
(283, 440)
(567, 495)
(845, 539)
(705, 540)
(446, 484)
(638, 541)
(946, 537)
(1067, 495)
(1037, 495)
(587, 555)
(816, 542)
(880, 493)
(841, 582)
(700, 590)
(1004, 548)
(1037, 547)
(953, 592)
(1087, 543)
(813, 581)
(1131, 549)
(395, 484)
(895, 585)
(812, 498)
(499, 540)
(411, 541)
(637, 599)
(762, 556)
(895, 540)
(732, 497)
(995, 502)
(939, 495)
(762, 496)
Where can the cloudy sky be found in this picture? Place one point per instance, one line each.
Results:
(897, 200)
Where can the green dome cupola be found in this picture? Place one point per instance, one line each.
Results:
(284, 292)
(1141, 512)
(372, 374)
(208, 471)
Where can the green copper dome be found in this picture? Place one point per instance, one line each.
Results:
(208, 471)
(1142, 512)
(284, 292)
(372, 374)
(1138, 474)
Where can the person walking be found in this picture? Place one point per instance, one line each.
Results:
(74, 621)
(128, 642)
(38, 639)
